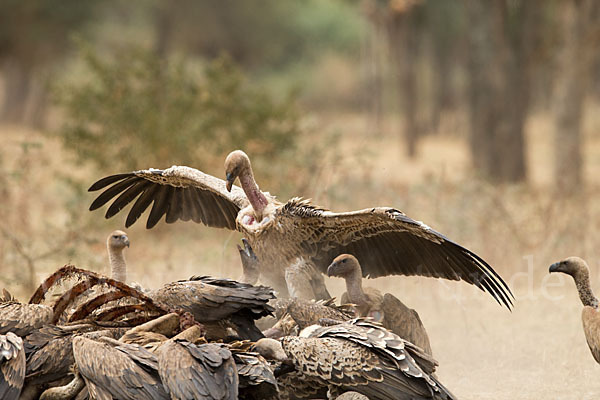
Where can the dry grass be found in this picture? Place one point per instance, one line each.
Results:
(485, 352)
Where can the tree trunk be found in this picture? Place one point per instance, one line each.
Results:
(16, 91)
(374, 42)
(444, 56)
(38, 104)
(163, 25)
(572, 74)
(404, 49)
(498, 93)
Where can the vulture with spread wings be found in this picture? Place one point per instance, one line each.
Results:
(293, 240)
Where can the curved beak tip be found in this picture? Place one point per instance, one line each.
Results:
(229, 177)
(330, 270)
(554, 268)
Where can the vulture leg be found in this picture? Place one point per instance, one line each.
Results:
(304, 281)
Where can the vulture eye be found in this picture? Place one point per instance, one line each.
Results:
(115, 236)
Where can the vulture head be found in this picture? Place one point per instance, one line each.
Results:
(117, 240)
(574, 266)
(237, 163)
(270, 349)
(250, 264)
(247, 254)
(343, 266)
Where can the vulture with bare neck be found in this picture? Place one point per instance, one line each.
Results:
(115, 244)
(294, 240)
(385, 309)
(579, 270)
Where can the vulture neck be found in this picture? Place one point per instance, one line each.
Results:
(354, 289)
(249, 276)
(582, 281)
(66, 392)
(257, 199)
(117, 264)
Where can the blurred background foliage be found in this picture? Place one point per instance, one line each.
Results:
(136, 110)
(420, 104)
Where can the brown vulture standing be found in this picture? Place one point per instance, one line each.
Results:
(579, 270)
(386, 309)
(293, 240)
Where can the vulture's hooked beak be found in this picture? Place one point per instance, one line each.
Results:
(555, 267)
(331, 269)
(127, 242)
(230, 178)
(286, 367)
(247, 250)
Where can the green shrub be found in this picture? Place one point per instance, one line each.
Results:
(134, 111)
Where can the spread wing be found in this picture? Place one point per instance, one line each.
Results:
(387, 242)
(179, 193)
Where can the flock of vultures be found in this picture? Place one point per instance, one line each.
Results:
(84, 335)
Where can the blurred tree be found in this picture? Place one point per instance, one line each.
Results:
(502, 36)
(444, 21)
(257, 34)
(136, 111)
(579, 19)
(405, 24)
(33, 35)
(374, 42)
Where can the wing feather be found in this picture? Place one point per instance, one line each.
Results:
(160, 206)
(387, 242)
(112, 192)
(180, 193)
(127, 196)
(141, 204)
(175, 211)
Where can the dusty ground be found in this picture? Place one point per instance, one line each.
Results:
(485, 352)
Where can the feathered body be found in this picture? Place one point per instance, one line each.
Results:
(205, 371)
(364, 357)
(590, 315)
(212, 300)
(12, 366)
(386, 309)
(22, 319)
(115, 370)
